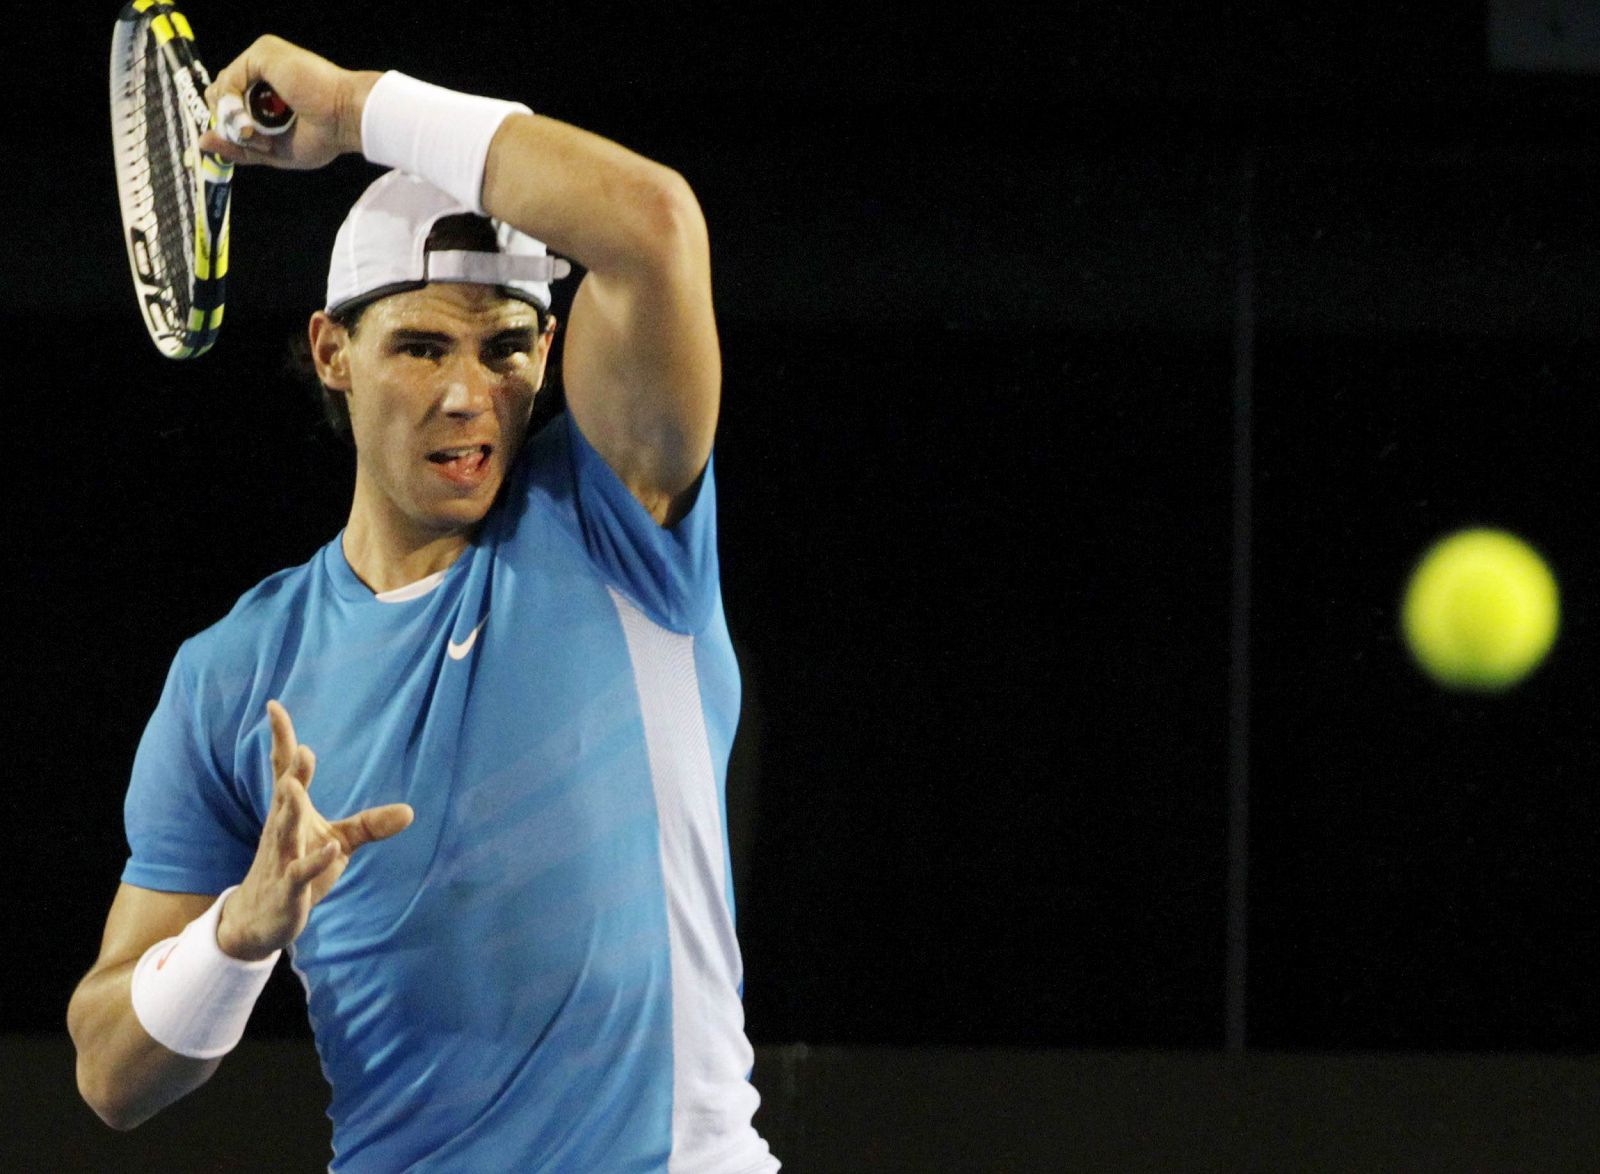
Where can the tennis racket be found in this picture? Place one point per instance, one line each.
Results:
(175, 197)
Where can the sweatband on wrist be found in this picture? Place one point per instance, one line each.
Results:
(191, 997)
(435, 134)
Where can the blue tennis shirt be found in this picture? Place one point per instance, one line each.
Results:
(541, 973)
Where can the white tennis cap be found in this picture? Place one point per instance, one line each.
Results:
(381, 249)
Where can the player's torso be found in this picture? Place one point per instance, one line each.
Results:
(510, 951)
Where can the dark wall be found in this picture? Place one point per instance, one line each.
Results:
(919, 1110)
(981, 287)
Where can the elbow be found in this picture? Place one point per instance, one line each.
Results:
(122, 1074)
(114, 1111)
(120, 1122)
(669, 227)
(98, 1087)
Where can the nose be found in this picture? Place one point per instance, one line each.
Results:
(468, 389)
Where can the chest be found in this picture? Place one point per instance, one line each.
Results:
(511, 717)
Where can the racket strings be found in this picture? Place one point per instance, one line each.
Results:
(170, 180)
(128, 131)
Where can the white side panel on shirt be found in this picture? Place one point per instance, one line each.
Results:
(712, 1101)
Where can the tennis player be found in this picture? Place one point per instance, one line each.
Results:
(502, 874)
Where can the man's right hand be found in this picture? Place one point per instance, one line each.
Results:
(301, 855)
(328, 102)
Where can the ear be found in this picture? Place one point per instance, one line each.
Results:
(547, 338)
(330, 351)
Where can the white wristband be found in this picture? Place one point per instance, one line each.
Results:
(191, 997)
(435, 134)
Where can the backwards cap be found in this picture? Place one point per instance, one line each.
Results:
(381, 249)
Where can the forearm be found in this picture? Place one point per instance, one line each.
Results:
(124, 1075)
(588, 198)
(608, 208)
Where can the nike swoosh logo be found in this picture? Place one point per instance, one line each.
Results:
(457, 651)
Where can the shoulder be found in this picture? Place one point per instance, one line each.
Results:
(560, 462)
(257, 621)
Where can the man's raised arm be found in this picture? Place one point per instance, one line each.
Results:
(642, 368)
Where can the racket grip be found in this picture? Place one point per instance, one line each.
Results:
(259, 112)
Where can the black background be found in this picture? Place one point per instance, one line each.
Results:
(979, 276)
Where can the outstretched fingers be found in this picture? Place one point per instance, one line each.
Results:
(375, 823)
(284, 743)
(296, 818)
(312, 865)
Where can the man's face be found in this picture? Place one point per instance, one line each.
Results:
(440, 383)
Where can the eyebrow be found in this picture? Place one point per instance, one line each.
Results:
(407, 334)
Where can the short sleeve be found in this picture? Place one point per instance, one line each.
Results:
(669, 572)
(189, 830)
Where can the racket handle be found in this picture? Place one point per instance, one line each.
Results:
(259, 112)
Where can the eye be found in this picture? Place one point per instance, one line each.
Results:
(505, 349)
(421, 350)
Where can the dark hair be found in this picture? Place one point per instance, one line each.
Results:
(464, 231)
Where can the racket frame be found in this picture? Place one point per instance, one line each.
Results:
(167, 31)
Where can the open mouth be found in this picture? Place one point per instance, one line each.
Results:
(463, 463)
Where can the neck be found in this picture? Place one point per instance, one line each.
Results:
(387, 551)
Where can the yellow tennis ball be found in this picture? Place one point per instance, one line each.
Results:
(1481, 610)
